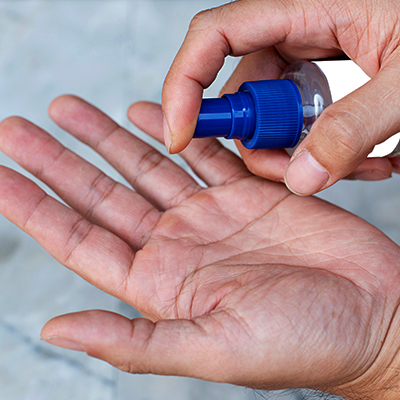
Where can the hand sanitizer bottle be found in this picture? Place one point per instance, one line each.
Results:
(268, 114)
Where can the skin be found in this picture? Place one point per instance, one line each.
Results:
(272, 33)
(240, 281)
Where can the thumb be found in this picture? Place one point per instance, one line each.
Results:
(166, 347)
(235, 29)
(345, 133)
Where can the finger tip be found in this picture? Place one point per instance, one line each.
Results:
(50, 329)
(140, 109)
(11, 128)
(59, 104)
(179, 139)
(176, 144)
(11, 121)
(133, 111)
(58, 332)
(67, 330)
(305, 176)
(132, 108)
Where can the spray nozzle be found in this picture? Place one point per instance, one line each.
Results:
(268, 114)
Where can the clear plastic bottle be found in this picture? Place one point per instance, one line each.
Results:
(269, 113)
(314, 90)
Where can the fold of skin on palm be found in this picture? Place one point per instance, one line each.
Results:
(240, 282)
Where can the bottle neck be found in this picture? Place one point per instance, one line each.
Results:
(243, 116)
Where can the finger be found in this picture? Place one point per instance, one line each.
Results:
(263, 64)
(395, 161)
(168, 347)
(372, 169)
(270, 164)
(209, 160)
(196, 348)
(84, 187)
(97, 255)
(213, 347)
(346, 132)
(154, 176)
(236, 29)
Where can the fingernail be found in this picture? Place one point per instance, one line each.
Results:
(371, 176)
(63, 342)
(305, 175)
(167, 135)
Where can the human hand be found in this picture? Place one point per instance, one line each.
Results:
(272, 33)
(240, 282)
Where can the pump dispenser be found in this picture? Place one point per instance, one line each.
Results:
(269, 114)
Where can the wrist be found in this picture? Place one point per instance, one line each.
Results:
(380, 380)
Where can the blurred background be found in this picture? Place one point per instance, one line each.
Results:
(112, 53)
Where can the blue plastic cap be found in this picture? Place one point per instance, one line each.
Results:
(215, 118)
(262, 114)
(279, 114)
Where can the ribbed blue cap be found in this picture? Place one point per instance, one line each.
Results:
(279, 114)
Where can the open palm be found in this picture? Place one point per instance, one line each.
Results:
(240, 282)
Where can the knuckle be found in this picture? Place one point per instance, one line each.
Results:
(79, 232)
(208, 151)
(150, 160)
(101, 188)
(345, 133)
(185, 193)
(201, 20)
(136, 358)
(127, 367)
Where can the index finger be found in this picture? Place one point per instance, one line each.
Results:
(234, 29)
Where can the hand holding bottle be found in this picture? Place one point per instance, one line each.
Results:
(271, 35)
